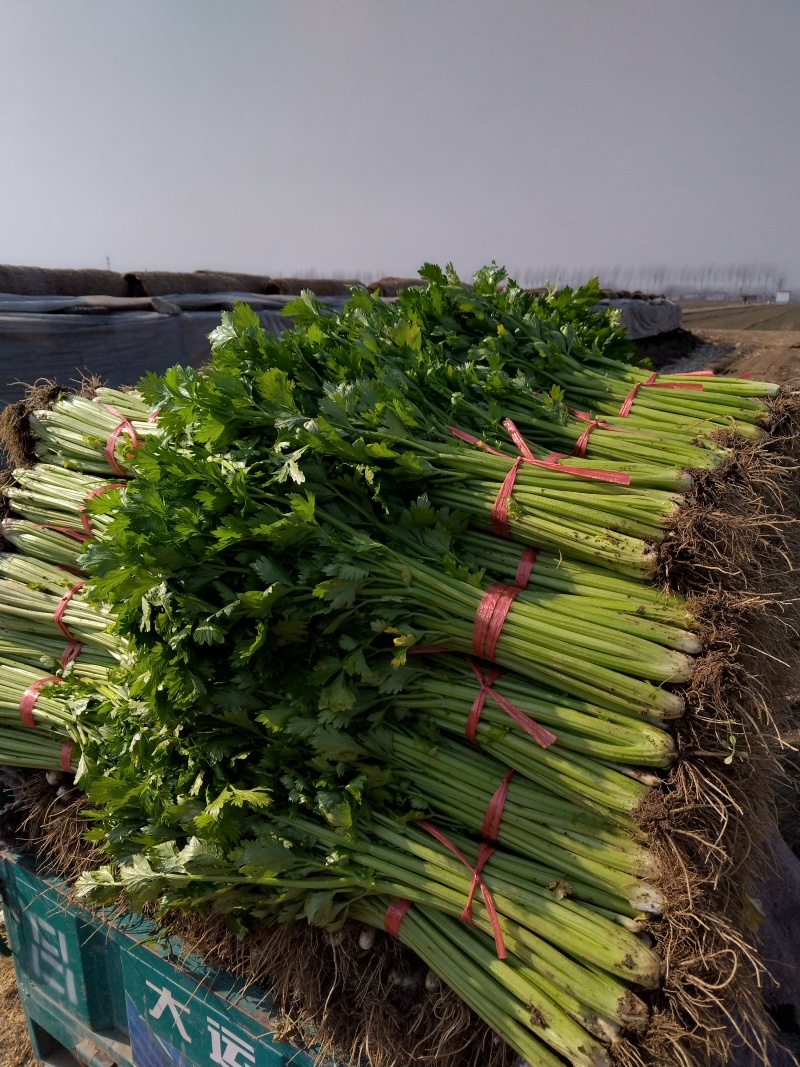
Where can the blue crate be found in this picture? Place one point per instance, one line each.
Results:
(103, 993)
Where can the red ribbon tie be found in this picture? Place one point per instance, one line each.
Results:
(471, 439)
(58, 614)
(485, 851)
(494, 813)
(552, 461)
(123, 424)
(30, 696)
(500, 507)
(66, 758)
(490, 616)
(651, 383)
(62, 530)
(540, 734)
(71, 653)
(394, 916)
(95, 492)
(525, 566)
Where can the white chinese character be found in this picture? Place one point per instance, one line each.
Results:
(49, 959)
(233, 1046)
(167, 1000)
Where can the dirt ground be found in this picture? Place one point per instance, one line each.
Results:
(15, 1049)
(760, 340)
(764, 355)
(765, 345)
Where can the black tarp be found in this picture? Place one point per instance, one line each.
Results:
(118, 339)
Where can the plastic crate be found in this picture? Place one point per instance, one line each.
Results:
(100, 993)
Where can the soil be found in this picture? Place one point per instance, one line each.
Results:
(764, 355)
(15, 1048)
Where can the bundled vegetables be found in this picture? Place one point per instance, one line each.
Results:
(358, 641)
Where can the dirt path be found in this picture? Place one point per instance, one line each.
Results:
(765, 355)
(761, 340)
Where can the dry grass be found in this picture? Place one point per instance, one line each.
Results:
(15, 1048)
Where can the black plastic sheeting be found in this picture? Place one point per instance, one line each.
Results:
(120, 338)
(117, 338)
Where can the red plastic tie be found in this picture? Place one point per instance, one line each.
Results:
(58, 614)
(500, 507)
(586, 416)
(552, 461)
(494, 813)
(651, 383)
(540, 734)
(579, 451)
(485, 852)
(583, 441)
(153, 416)
(490, 616)
(627, 403)
(66, 757)
(71, 653)
(63, 530)
(518, 440)
(471, 439)
(394, 916)
(525, 566)
(124, 424)
(30, 696)
(96, 492)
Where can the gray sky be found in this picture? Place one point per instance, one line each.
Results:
(366, 136)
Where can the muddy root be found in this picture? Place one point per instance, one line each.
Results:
(17, 439)
(52, 827)
(711, 824)
(737, 522)
(368, 1006)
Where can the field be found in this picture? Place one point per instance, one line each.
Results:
(703, 316)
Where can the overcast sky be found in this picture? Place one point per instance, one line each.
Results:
(363, 137)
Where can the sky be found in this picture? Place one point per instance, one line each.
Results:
(361, 138)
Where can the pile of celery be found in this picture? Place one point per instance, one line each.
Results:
(279, 679)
